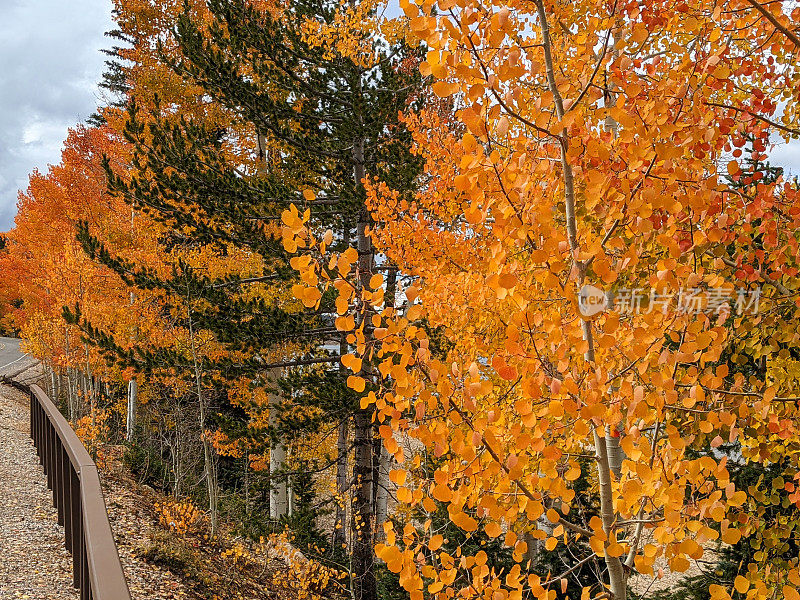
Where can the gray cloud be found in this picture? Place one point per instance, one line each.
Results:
(50, 63)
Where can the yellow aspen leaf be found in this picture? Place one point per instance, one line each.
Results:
(731, 536)
(741, 584)
(311, 296)
(551, 544)
(718, 592)
(443, 89)
(376, 281)
(356, 383)
(352, 362)
(464, 521)
(679, 564)
(493, 529)
(435, 542)
(442, 493)
(404, 495)
(398, 476)
(345, 323)
(597, 545)
(414, 312)
(507, 281)
(790, 593)
(309, 195)
(502, 126)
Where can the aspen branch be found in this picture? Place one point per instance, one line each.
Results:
(528, 494)
(777, 24)
(757, 116)
(778, 285)
(577, 565)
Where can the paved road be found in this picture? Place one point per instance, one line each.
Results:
(16, 364)
(9, 352)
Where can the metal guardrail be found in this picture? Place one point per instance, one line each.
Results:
(78, 498)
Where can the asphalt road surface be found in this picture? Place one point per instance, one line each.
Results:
(10, 354)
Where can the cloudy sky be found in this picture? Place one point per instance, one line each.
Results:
(50, 63)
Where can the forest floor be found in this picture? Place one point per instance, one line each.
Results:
(164, 564)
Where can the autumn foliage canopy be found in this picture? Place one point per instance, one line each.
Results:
(618, 144)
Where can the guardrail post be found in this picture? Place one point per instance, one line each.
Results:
(86, 585)
(77, 529)
(58, 488)
(51, 451)
(48, 444)
(65, 509)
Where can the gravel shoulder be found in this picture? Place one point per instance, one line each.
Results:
(34, 562)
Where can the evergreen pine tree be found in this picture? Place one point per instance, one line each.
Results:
(324, 120)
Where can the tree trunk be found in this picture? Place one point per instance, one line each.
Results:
(383, 458)
(54, 395)
(278, 489)
(342, 472)
(363, 557)
(130, 421)
(616, 572)
(615, 453)
(363, 553)
(382, 492)
(133, 387)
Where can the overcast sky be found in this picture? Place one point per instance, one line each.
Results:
(50, 63)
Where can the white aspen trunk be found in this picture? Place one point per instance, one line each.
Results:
(279, 492)
(130, 421)
(57, 385)
(384, 459)
(133, 387)
(278, 488)
(615, 453)
(70, 390)
(616, 572)
(534, 547)
(54, 389)
(71, 393)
